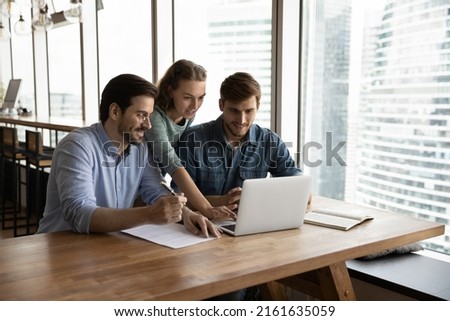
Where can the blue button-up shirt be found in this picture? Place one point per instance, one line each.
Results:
(87, 173)
(216, 167)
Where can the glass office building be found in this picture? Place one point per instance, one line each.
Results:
(404, 138)
(242, 42)
(326, 78)
(376, 77)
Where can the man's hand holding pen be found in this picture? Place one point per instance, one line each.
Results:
(167, 209)
(193, 221)
(171, 191)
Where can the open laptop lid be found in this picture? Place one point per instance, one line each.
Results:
(271, 204)
(12, 93)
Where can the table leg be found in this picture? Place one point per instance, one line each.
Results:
(273, 291)
(330, 283)
(336, 283)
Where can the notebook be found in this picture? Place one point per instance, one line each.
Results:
(270, 204)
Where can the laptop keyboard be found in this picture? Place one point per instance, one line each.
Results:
(229, 227)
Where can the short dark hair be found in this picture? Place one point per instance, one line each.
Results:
(180, 70)
(240, 86)
(121, 89)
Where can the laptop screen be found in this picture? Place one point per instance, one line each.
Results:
(12, 94)
(271, 204)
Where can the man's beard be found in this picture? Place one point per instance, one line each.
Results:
(128, 139)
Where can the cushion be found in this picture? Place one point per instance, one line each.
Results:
(412, 247)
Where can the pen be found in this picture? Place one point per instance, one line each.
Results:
(167, 187)
(170, 189)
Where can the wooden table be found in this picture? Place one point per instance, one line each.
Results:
(116, 266)
(51, 123)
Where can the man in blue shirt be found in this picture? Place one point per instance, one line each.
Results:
(97, 171)
(221, 154)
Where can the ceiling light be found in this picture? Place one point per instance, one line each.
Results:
(74, 13)
(5, 35)
(42, 20)
(21, 27)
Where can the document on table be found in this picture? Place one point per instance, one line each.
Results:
(171, 235)
(340, 219)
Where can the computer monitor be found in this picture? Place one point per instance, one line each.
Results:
(9, 102)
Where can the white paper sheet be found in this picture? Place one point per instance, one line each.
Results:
(171, 235)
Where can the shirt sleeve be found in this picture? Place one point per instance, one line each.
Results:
(75, 183)
(151, 188)
(187, 154)
(284, 164)
(161, 145)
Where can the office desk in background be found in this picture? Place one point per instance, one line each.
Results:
(116, 266)
(50, 123)
(53, 125)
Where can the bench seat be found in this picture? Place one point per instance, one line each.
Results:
(416, 276)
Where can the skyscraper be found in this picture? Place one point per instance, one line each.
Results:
(405, 140)
(326, 94)
(240, 39)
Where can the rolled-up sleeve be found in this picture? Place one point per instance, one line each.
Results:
(87, 173)
(75, 185)
(151, 188)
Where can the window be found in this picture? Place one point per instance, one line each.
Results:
(64, 65)
(375, 101)
(225, 37)
(124, 39)
(22, 59)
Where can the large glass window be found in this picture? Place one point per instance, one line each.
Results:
(125, 39)
(226, 37)
(376, 107)
(64, 67)
(22, 58)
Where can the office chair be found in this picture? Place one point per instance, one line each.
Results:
(12, 151)
(40, 158)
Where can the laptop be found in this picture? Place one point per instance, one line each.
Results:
(11, 95)
(270, 204)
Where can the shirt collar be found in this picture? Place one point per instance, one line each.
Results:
(108, 147)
